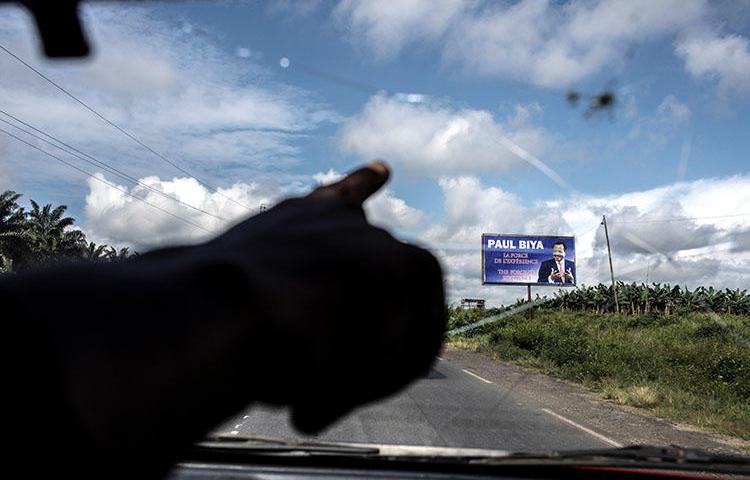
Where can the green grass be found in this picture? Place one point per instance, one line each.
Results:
(687, 368)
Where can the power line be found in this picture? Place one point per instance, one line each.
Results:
(89, 174)
(679, 219)
(589, 230)
(96, 162)
(117, 127)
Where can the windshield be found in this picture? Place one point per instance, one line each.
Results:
(579, 169)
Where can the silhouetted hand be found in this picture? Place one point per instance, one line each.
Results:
(352, 313)
(306, 305)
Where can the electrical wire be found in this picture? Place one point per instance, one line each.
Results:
(91, 175)
(117, 127)
(96, 162)
(676, 219)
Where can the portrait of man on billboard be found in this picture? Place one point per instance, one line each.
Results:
(557, 269)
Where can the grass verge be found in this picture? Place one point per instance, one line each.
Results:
(687, 368)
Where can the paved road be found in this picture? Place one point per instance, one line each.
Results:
(451, 406)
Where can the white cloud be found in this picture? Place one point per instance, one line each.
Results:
(471, 209)
(671, 110)
(436, 140)
(545, 43)
(6, 180)
(682, 232)
(707, 251)
(411, 97)
(391, 212)
(521, 114)
(724, 58)
(327, 178)
(670, 116)
(556, 45)
(634, 231)
(205, 108)
(647, 239)
(116, 218)
(386, 27)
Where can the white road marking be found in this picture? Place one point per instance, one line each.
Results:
(476, 376)
(234, 432)
(581, 427)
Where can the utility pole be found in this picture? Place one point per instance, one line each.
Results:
(611, 271)
(531, 307)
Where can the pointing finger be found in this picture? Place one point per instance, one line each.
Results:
(358, 185)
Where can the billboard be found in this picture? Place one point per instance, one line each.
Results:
(528, 260)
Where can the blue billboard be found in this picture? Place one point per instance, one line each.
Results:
(528, 260)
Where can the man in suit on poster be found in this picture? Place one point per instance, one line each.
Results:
(557, 269)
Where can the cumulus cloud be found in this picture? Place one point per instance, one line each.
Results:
(116, 217)
(174, 88)
(386, 27)
(723, 58)
(545, 43)
(649, 268)
(154, 218)
(436, 140)
(470, 209)
(634, 231)
(678, 233)
(741, 241)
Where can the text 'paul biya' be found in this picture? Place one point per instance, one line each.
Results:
(511, 244)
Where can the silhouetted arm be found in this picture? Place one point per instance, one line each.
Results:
(306, 305)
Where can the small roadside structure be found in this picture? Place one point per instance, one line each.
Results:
(472, 303)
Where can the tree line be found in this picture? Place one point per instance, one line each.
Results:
(662, 298)
(44, 236)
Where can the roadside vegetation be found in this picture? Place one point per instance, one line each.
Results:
(683, 355)
(44, 235)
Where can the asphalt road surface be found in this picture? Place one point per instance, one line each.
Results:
(450, 407)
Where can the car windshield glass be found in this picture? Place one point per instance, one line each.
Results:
(578, 168)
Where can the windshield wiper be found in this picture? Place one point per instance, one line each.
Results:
(673, 456)
(280, 445)
(637, 456)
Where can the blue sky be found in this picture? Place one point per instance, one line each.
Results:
(313, 42)
(201, 82)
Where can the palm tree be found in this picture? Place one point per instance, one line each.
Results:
(114, 255)
(12, 223)
(95, 253)
(48, 231)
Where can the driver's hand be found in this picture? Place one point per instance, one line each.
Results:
(349, 313)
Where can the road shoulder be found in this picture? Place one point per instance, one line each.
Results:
(581, 406)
